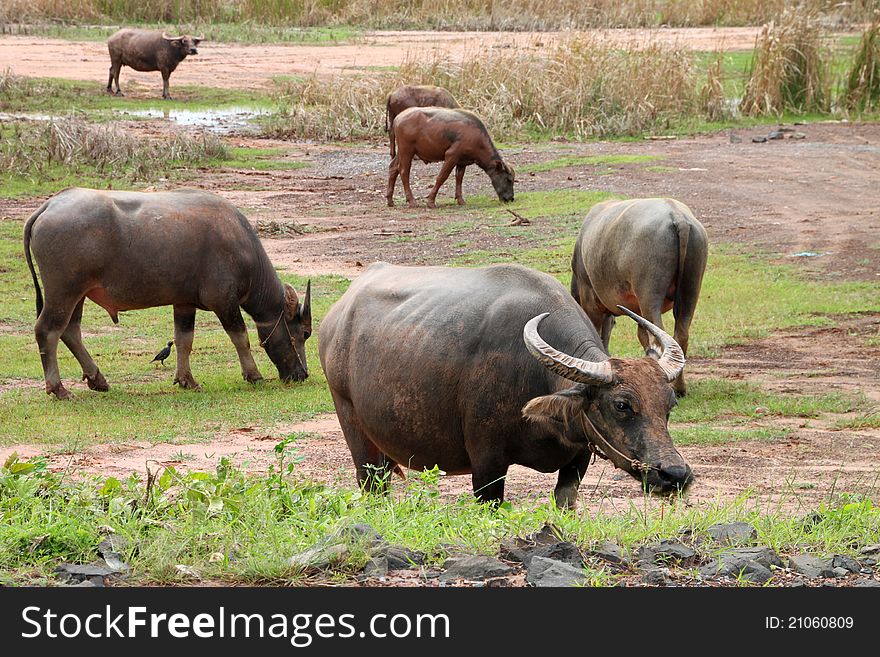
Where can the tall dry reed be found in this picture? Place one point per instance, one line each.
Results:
(862, 91)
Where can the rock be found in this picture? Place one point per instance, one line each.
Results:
(734, 533)
(188, 571)
(752, 564)
(71, 572)
(544, 572)
(735, 138)
(561, 551)
(111, 548)
(320, 557)
(869, 561)
(399, 558)
(797, 135)
(376, 567)
(871, 549)
(656, 576)
(474, 567)
(609, 551)
(759, 139)
(90, 583)
(666, 551)
(866, 582)
(811, 566)
(515, 549)
(776, 134)
(844, 561)
(840, 572)
(360, 533)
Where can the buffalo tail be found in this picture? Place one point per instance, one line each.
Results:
(28, 227)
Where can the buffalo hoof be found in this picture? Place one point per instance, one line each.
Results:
(412, 204)
(254, 379)
(58, 390)
(431, 204)
(391, 203)
(187, 381)
(97, 382)
(119, 93)
(460, 201)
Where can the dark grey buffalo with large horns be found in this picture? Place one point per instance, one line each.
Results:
(148, 50)
(646, 254)
(455, 137)
(189, 249)
(473, 370)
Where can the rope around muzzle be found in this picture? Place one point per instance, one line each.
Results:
(635, 464)
(289, 335)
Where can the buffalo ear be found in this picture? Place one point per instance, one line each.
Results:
(177, 43)
(196, 41)
(291, 303)
(560, 407)
(499, 166)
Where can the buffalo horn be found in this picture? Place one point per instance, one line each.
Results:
(672, 359)
(570, 367)
(168, 38)
(306, 308)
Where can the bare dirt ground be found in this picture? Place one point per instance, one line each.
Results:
(812, 202)
(252, 66)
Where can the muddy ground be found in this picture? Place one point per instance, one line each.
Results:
(812, 202)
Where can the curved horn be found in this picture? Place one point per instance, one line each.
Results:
(672, 359)
(168, 38)
(570, 367)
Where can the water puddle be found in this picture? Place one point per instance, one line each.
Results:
(221, 121)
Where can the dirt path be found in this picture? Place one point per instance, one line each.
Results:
(253, 66)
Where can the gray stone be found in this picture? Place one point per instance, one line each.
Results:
(797, 135)
(516, 549)
(399, 558)
(188, 571)
(376, 567)
(871, 549)
(663, 552)
(866, 583)
(609, 551)
(869, 561)
(752, 564)
(561, 551)
(320, 557)
(840, 572)
(733, 533)
(656, 576)
(360, 533)
(474, 567)
(847, 562)
(544, 572)
(759, 140)
(776, 134)
(811, 566)
(72, 572)
(735, 138)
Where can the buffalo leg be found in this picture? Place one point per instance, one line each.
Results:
(393, 170)
(50, 325)
(445, 170)
(682, 329)
(165, 76)
(114, 77)
(373, 468)
(184, 328)
(459, 178)
(72, 338)
(605, 330)
(488, 479)
(234, 325)
(569, 481)
(404, 166)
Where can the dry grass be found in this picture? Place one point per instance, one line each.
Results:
(862, 90)
(790, 68)
(36, 148)
(713, 103)
(440, 14)
(583, 87)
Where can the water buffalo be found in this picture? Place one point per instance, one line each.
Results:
(129, 250)
(646, 254)
(442, 366)
(148, 50)
(455, 137)
(413, 95)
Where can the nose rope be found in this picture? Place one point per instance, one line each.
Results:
(635, 464)
(277, 322)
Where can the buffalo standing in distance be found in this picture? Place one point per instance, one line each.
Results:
(148, 50)
(129, 250)
(416, 95)
(648, 255)
(437, 366)
(455, 137)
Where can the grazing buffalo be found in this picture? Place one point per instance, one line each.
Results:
(646, 254)
(455, 137)
(413, 95)
(148, 50)
(436, 366)
(129, 250)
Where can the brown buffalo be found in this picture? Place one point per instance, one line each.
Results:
(416, 95)
(148, 50)
(646, 254)
(129, 250)
(455, 137)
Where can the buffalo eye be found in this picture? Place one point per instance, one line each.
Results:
(622, 406)
(307, 335)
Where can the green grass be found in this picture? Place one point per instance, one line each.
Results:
(239, 32)
(256, 523)
(61, 96)
(590, 160)
(258, 159)
(709, 435)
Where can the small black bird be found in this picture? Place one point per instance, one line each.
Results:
(162, 355)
